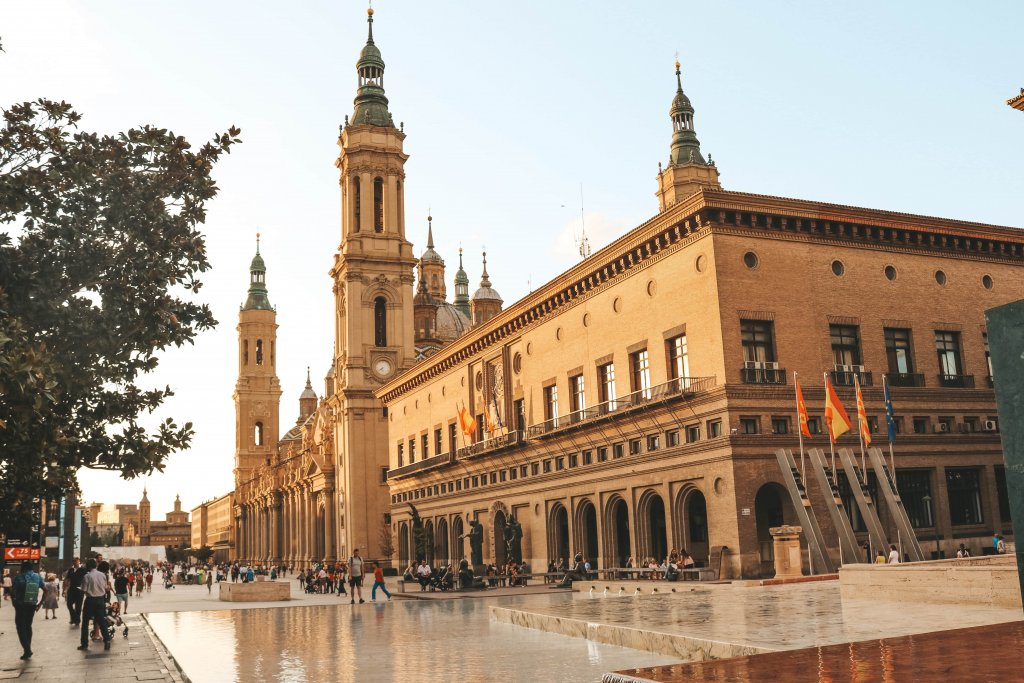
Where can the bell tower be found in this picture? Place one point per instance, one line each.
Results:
(257, 391)
(373, 291)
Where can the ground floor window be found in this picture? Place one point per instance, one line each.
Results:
(915, 487)
(963, 486)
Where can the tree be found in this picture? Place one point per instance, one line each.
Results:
(94, 540)
(99, 244)
(203, 554)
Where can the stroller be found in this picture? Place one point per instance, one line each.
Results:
(442, 580)
(114, 620)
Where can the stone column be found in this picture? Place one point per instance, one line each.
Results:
(786, 545)
(329, 542)
(308, 526)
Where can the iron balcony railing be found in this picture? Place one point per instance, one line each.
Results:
(845, 379)
(420, 466)
(495, 443)
(905, 379)
(957, 381)
(680, 387)
(763, 375)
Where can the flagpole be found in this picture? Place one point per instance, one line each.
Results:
(799, 426)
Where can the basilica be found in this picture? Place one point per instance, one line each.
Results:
(633, 404)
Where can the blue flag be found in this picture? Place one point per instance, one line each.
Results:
(890, 418)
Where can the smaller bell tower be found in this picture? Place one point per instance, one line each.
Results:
(258, 390)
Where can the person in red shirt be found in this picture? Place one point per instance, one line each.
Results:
(378, 582)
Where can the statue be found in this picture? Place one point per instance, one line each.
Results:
(514, 540)
(476, 542)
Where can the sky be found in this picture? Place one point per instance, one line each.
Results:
(510, 109)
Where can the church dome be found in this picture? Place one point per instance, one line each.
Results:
(486, 294)
(450, 323)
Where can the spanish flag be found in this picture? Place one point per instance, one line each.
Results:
(466, 422)
(862, 414)
(835, 416)
(801, 411)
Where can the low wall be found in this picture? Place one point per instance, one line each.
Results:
(990, 581)
(258, 591)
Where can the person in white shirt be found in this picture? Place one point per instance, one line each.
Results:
(894, 555)
(423, 573)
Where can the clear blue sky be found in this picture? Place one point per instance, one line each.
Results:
(508, 108)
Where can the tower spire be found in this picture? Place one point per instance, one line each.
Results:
(430, 230)
(485, 281)
(371, 105)
(257, 299)
(461, 300)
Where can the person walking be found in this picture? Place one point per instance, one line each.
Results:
(26, 593)
(894, 555)
(209, 583)
(355, 572)
(94, 586)
(121, 587)
(378, 582)
(50, 592)
(73, 590)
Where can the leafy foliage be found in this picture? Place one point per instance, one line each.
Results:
(99, 244)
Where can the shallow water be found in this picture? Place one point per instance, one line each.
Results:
(409, 640)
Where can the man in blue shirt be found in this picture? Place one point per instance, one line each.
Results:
(27, 595)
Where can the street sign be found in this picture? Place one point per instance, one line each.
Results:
(21, 553)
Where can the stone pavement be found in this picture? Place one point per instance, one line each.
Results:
(55, 658)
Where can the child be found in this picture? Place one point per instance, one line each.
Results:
(378, 582)
(114, 618)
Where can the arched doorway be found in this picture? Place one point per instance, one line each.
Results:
(428, 546)
(586, 532)
(443, 556)
(654, 539)
(691, 524)
(500, 556)
(770, 505)
(558, 535)
(621, 548)
(403, 546)
(458, 544)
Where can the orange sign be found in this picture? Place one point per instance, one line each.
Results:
(17, 554)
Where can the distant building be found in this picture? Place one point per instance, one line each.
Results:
(212, 526)
(174, 530)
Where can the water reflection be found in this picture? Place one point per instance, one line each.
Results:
(403, 639)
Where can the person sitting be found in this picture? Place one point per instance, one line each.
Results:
(671, 571)
(423, 573)
(467, 581)
(410, 573)
(687, 563)
(114, 618)
(577, 573)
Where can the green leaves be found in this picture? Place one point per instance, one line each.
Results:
(97, 232)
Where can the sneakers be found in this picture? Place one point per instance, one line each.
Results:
(83, 647)
(361, 601)
(353, 601)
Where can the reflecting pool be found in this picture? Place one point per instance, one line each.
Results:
(409, 640)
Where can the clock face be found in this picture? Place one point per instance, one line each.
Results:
(382, 366)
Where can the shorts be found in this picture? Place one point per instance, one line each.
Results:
(121, 597)
(356, 581)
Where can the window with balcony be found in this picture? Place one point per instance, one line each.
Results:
(519, 413)
(678, 360)
(401, 454)
(412, 451)
(438, 442)
(951, 371)
(900, 357)
(963, 486)
(640, 371)
(453, 438)
(577, 394)
(425, 444)
(759, 363)
(551, 403)
(606, 384)
(846, 355)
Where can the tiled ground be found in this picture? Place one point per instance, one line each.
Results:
(982, 654)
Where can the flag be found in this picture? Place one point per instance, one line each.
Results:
(835, 416)
(466, 422)
(801, 411)
(862, 414)
(890, 416)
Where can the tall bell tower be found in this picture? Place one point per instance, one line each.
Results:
(258, 391)
(373, 291)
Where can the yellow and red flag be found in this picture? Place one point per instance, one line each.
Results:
(862, 414)
(835, 415)
(466, 422)
(801, 411)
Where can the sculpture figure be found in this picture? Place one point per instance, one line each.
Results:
(514, 540)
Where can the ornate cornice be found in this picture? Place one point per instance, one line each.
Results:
(722, 212)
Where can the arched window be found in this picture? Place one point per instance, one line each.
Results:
(258, 434)
(356, 201)
(380, 322)
(259, 352)
(378, 205)
(433, 281)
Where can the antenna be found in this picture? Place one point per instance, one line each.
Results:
(582, 243)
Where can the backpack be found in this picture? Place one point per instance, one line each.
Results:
(31, 594)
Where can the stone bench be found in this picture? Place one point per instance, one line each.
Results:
(258, 591)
